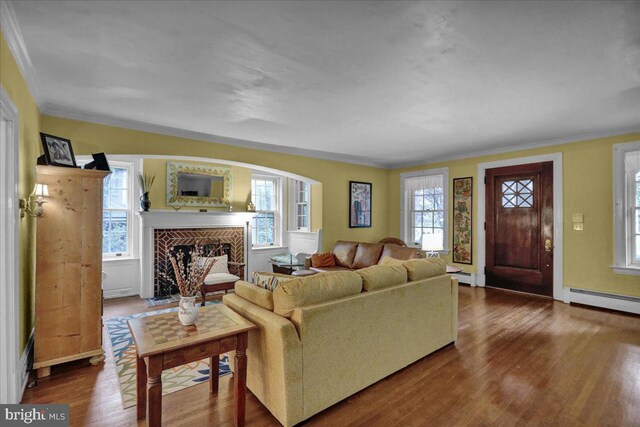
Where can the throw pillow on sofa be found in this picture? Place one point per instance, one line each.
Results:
(382, 276)
(315, 289)
(325, 259)
(268, 281)
(387, 260)
(418, 269)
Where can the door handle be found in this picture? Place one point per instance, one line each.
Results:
(548, 245)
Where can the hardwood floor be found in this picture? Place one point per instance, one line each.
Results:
(519, 360)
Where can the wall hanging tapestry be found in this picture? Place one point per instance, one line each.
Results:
(462, 205)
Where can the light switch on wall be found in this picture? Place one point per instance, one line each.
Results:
(578, 221)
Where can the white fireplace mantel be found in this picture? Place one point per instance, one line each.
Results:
(160, 219)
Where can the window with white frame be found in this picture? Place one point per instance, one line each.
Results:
(265, 195)
(627, 207)
(301, 204)
(424, 208)
(116, 214)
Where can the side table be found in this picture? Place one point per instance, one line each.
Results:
(163, 343)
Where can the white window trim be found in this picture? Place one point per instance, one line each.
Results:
(278, 215)
(621, 210)
(134, 165)
(130, 231)
(293, 205)
(403, 213)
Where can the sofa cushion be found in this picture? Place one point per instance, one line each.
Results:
(268, 281)
(387, 260)
(418, 269)
(344, 252)
(325, 259)
(304, 291)
(255, 294)
(382, 276)
(399, 252)
(327, 269)
(367, 255)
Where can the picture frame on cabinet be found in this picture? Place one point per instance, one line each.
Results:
(58, 151)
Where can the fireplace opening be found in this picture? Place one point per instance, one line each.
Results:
(231, 241)
(166, 287)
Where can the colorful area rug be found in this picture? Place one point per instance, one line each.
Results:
(124, 356)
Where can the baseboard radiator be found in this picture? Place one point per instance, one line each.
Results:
(466, 278)
(601, 299)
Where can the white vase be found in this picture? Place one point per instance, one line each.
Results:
(187, 311)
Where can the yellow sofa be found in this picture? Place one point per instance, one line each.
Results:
(324, 337)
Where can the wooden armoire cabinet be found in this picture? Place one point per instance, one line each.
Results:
(68, 300)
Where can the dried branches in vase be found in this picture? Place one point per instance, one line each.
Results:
(189, 276)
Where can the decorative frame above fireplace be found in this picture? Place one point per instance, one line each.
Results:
(210, 185)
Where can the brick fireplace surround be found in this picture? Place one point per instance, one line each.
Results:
(164, 239)
(162, 229)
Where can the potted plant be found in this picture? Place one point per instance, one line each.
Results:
(189, 276)
(145, 181)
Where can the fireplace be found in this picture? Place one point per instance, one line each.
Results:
(167, 239)
(161, 230)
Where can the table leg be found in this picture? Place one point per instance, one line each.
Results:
(240, 378)
(214, 367)
(141, 387)
(154, 390)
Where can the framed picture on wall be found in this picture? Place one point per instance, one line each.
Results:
(57, 151)
(359, 204)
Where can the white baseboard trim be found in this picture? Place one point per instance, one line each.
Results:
(480, 279)
(119, 293)
(24, 364)
(466, 278)
(604, 300)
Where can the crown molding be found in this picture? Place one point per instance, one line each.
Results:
(12, 34)
(520, 147)
(74, 114)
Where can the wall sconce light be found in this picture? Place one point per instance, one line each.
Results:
(35, 198)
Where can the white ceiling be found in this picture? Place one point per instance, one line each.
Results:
(392, 83)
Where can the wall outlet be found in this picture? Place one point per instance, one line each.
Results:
(578, 226)
(578, 217)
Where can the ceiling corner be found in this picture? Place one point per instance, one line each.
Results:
(12, 34)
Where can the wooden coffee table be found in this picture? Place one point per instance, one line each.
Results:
(163, 343)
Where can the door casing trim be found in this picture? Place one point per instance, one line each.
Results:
(11, 389)
(558, 262)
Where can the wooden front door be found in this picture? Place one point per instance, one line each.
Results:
(519, 228)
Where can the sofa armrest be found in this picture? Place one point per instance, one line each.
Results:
(274, 360)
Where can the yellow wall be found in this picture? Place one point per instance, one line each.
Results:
(316, 207)
(240, 181)
(29, 140)
(334, 176)
(587, 189)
